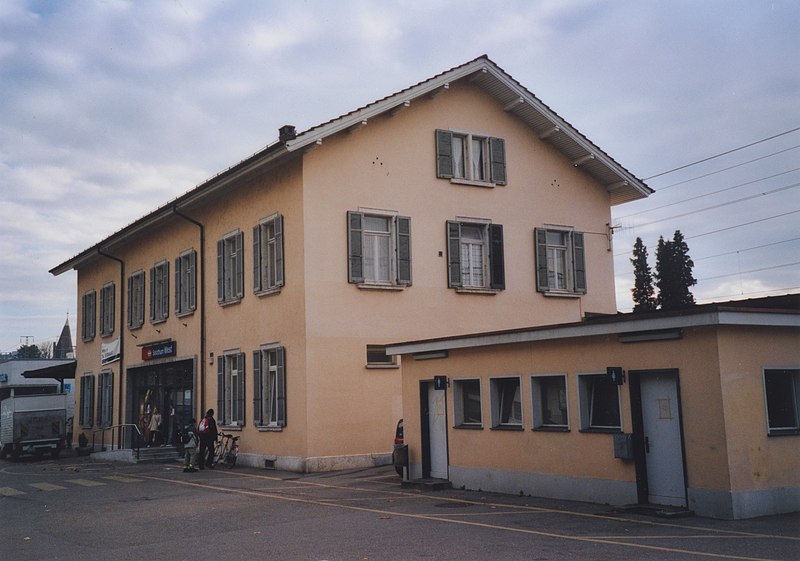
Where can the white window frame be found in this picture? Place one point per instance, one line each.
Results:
(107, 309)
(231, 389)
(538, 406)
(268, 263)
(459, 402)
(269, 375)
(499, 396)
(791, 394)
(159, 292)
(88, 315)
(587, 398)
(466, 279)
(186, 283)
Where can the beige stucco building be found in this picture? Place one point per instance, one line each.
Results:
(698, 409)
(268, 292)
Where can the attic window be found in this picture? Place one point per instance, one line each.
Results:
(467, 157)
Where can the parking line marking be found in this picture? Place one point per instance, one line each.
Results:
(86, 482)
(123, 479)
(10, 492)
(47, 486)
(437, 518)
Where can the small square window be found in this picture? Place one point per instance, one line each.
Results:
(467, 395)
(506, 402)
(376, 356)
(782, 393)
(549, 395)
(599, 399)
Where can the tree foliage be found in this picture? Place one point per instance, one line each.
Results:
(644, 299)
(674, 273)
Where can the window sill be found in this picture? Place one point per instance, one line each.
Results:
(602, 430)
(184, 314)
(469, 427)
(550, 429)
(379, 286)
(562, 294)
(266, 428)
(473, 183)
(484, 291)
(237, 428)
(157, 321)
(381, 366)
(784, 432)
(225, 303)
(512, 428)
(268, 291)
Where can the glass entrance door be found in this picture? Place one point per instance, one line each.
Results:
(161, 400)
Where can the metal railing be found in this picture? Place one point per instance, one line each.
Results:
(121, 432)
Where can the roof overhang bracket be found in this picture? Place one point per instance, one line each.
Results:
(440, 90)
(399, 108)
(478, 74)
(514, 104)
(582, 160)
(357, 127)
(313, 146)
(618, 185)
(549, 132)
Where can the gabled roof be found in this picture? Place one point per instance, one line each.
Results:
(622, 185)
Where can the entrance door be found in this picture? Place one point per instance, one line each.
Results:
(434, 429)
(661, 429)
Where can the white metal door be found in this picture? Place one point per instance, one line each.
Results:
(662, 438)
(437, 431)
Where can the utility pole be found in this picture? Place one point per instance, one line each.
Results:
(27, 339)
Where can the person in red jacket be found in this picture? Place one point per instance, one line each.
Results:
(207, 431)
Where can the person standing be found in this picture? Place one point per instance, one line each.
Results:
(207, 430)
(189, 438)
(155, 427)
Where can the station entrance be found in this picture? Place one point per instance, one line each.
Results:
(161, 400)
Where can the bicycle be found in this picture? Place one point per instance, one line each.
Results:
(226, 450)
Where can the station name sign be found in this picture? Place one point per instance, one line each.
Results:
(159, 350)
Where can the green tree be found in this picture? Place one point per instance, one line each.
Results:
(644, 299)
(674, 273)
(29, 351)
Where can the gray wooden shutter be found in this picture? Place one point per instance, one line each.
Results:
(444, 154)
(165, 288)
(497, 151)
(239, 260)
(220, 390)
(355, 269)
(257, 258)
(191, 276)
(540, 239)
(453, 254)
(279, 250)
(180, 289)
(130, 301)
(90, 390)
(497, 269)
(281, 385)
(257, 389)
(403, 224)
(152, 293)
(240, 386)
(578, 261)
(220, 270)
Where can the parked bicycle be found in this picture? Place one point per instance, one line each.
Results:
(226, 450)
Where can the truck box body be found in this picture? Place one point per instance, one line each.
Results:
(33, 423)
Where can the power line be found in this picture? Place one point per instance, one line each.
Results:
(682, 201)
(722, 154)
(750, 271)
(762, 246)
(743, 224)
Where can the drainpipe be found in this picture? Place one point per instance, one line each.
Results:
(121, 339)
(201, 288)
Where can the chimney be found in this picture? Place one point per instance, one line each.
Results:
(287, 133)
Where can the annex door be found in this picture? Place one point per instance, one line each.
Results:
(434, 431)
(661, 438)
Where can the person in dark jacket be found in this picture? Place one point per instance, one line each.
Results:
(207, 431)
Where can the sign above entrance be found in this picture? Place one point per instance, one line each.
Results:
(159, 350)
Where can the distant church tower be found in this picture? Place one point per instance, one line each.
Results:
(63, 349)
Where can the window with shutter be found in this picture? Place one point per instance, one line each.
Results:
(230, 268)
(268, 255)
(560, 261)
(270, 402)
(136, 300)
(379, 249)
(185, 283)
(231, 389)
(465, 157)
(475, 256)
(159, 292)
(88, 315)
(87, 400)
(107, 310)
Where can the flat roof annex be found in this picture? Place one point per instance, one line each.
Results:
(621, 184)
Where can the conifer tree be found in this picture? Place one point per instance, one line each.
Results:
(644, 299)
(674, 273)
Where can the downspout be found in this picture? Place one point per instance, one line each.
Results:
(121, 338)
(201, 288)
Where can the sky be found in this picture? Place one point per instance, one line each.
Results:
(109, 109)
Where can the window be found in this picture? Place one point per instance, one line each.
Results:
(230, 389)
(549, 395)
(186, 283)
(506, 402)
(475, 256)
(467, 395)
(105, 399)
(230, 268)
(379, 249)
(269, 391)
(268, 254)
(782, 392)
(136, 300)
(376, 356)
(87, 400)
(560, 263)
(599, 403)
(107, 310)
(470, 157)
(88, 307)
(159, 292)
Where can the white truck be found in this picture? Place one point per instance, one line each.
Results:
(33, 424)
